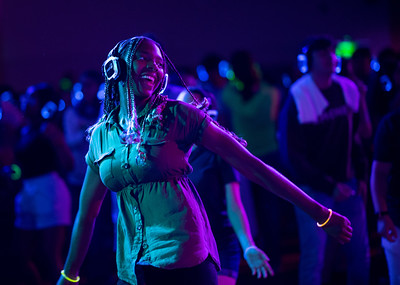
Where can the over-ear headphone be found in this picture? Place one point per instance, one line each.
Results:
(114, 69)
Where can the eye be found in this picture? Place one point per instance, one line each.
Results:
(160, 64)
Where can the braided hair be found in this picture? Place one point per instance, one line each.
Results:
(125, 51)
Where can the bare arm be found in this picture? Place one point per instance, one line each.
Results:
(255, 257)
(91, 199)
(254, 169)
(379, 175)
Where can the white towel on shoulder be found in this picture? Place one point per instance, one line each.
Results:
(311, 103)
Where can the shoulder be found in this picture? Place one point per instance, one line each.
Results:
(298, 87)
(345, 82)
(97, 131)
(182, 108)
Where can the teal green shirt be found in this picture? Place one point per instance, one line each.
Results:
(162, 221)
(252, 119)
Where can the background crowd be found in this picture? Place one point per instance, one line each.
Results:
(43, 144)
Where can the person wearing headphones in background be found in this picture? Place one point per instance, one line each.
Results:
(316, 133)
(140, 149)
(218, 185)
(43, 206)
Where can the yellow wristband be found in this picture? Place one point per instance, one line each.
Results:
(68, 278)
(327, 220)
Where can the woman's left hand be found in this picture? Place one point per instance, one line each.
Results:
(339, 227)
(258, 262)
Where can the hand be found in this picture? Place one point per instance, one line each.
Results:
(258, 262)
(342, 192)
(387, 229)
(339, 227)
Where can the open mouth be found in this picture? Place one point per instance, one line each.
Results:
(148, 78)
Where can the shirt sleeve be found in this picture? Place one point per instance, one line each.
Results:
(90, 157)
(191, 122)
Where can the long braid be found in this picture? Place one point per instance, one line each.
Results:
(201, 105)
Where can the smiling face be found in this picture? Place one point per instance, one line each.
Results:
(148, 69)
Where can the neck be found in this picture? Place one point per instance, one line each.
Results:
(323, 81)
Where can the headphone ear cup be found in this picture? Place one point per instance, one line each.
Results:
(114, 69)
(164, 83)
(302, 63)
(48, 110)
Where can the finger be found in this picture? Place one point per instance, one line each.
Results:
(259, 273)
(264, 272)
(253, 271)
(269, 269)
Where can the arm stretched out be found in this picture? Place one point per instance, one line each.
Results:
(91, 199)
(254, 169)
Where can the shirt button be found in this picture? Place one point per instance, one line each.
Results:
(145, 245)
(135, 209)
(139, 227)
(126, 165)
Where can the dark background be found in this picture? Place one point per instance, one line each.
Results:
(43, 40)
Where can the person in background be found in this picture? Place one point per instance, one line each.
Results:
(140, 149)
(316, 129)
(385, 190)
(218, 185)
(83, 112)
(254, 108)
(43, 206)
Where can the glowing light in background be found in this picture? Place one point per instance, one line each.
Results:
(202, 73)
(346, 48)
(49, 109)
(338, 67)
(100, 94)
(375, 66)
(302, 63)
(65, 84)
(76, 94)
(386, 83)
(223, 68)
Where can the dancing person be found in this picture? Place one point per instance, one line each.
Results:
(218, 185)
(140, 149)
(254, 108)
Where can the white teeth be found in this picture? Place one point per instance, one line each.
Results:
(151, 78)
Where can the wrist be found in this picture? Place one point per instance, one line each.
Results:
(323, 223)
(249, 248)
(69, 277)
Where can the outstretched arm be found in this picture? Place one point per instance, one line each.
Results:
(255, 257)
(254, 169)
(92, 196)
